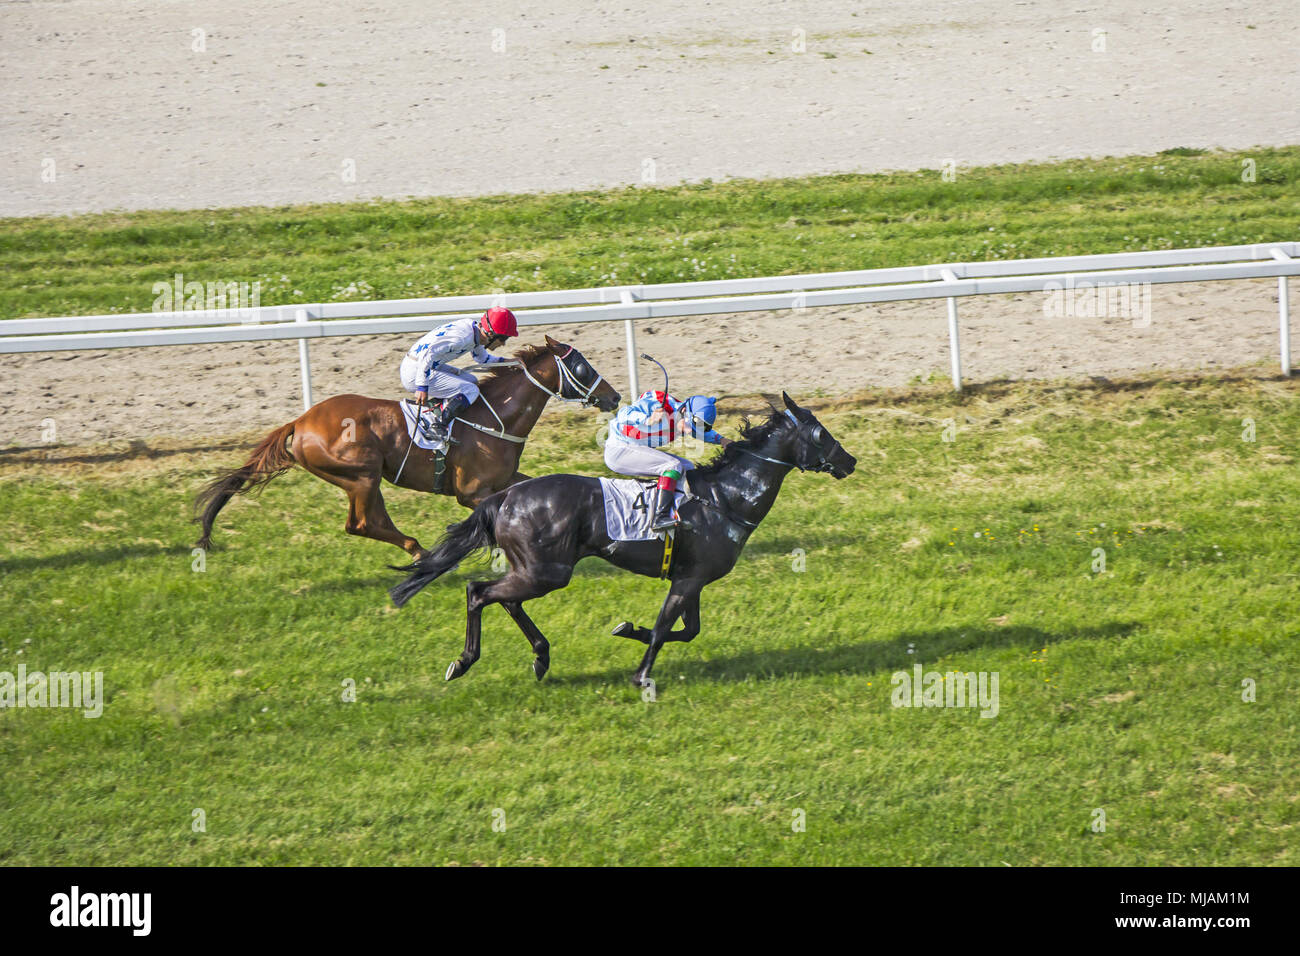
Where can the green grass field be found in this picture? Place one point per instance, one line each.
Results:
(1120, 691)
(1179, 198)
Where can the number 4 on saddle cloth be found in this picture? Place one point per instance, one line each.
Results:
(628, 515)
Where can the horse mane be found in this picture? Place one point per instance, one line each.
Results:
(752, 436)
(525, 355)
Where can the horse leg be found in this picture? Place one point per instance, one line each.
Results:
(377, 518)
(360, 481)
(681, 597)
(518, 586)
(541, 647)
(368, 517)
(689, 631)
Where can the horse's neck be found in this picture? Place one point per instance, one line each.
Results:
(517, 400)
(750, 485)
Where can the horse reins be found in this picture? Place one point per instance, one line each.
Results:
(567, 378)
(822, 465)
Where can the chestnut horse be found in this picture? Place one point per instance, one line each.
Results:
(356, 442)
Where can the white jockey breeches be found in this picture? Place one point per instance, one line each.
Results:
(641, 461)
(443, 381)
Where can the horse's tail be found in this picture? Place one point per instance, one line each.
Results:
(270, 458)
(475, 532)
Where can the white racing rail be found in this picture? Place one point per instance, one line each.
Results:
(666, 300)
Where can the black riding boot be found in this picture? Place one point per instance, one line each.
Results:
(664, 519)
(453, 407)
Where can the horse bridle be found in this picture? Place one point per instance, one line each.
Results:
(568, 379)
(823, 463)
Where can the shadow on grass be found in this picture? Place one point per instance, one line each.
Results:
(136, 449)
(1000, 388)
(91, 556)
(867, 657)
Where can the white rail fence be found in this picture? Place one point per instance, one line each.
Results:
(628, 304)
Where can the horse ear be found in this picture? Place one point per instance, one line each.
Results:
(789, 402)
(554, 346)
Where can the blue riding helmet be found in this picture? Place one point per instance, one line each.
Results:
(703, 407)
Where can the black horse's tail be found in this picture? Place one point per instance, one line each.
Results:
(475, 532)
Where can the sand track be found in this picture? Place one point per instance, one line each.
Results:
(284, 99)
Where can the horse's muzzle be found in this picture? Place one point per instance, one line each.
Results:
(842, 464)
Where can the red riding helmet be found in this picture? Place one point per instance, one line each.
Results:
(499, 321)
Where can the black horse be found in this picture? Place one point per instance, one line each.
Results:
(546, 525)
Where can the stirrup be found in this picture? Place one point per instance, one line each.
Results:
(428, 429)
(442, 439)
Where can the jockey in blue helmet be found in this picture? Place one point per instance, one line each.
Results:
(653, 420)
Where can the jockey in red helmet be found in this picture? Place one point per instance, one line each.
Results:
(499, 322)
(426, 369)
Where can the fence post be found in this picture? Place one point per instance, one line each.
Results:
(1283, 315)
(954, 342)
(625, 296)
(304, 362)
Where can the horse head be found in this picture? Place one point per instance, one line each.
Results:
(812, 445)
(579, 379)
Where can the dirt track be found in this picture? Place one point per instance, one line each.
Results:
(410, 95)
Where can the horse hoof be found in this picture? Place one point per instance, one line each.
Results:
(623, 630)
(454, 669)
(540, 667)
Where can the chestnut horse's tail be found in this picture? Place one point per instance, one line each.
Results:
(270, 458)
(475, 532)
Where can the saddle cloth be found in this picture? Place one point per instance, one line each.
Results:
(628, 505)
(408, 409)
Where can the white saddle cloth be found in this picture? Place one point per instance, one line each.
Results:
(408, 409)
(628, 509)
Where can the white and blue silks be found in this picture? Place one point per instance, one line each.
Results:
(427, 365)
